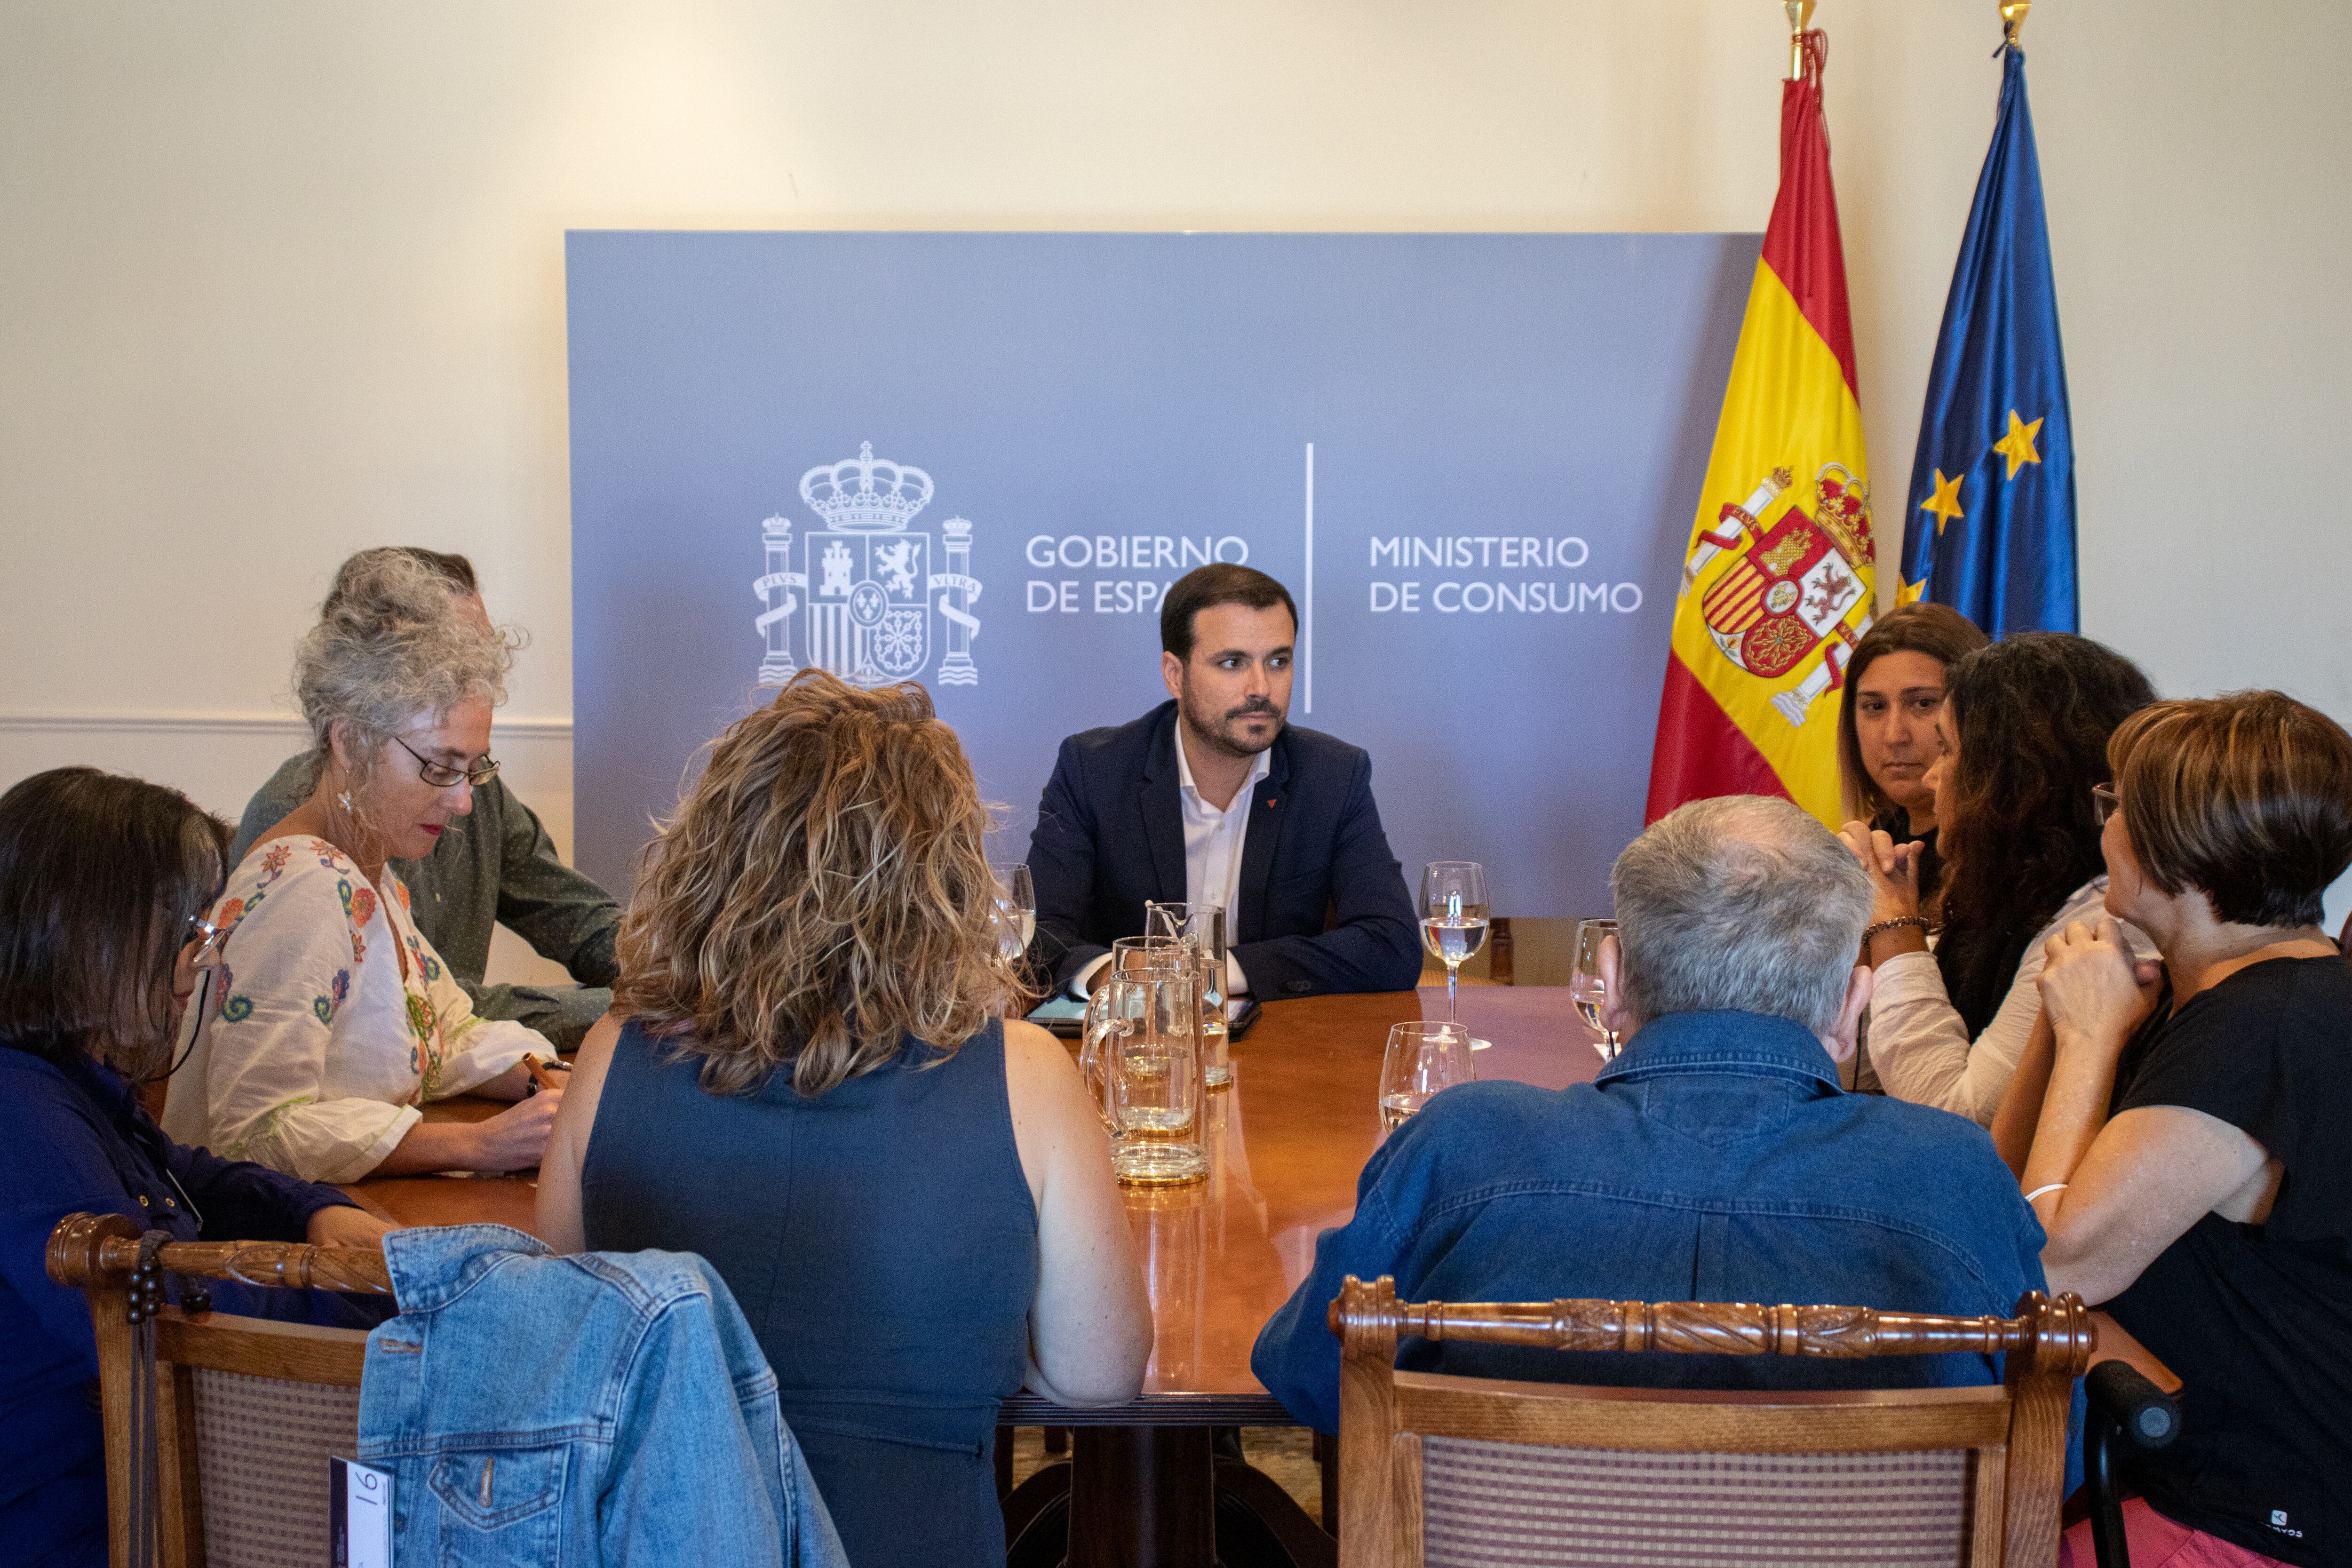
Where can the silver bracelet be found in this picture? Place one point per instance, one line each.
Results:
(2044, 1190)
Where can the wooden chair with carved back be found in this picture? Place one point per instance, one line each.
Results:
(1442, 1470)
(217, 1427)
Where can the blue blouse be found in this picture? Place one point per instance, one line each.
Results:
(74, 1140)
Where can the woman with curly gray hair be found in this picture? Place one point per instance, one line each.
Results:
(333, 1018)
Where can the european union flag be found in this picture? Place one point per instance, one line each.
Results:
(1990, 528)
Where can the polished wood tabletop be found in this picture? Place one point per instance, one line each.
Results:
(1285, 1144)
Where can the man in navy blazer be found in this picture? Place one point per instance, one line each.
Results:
(1211, 798)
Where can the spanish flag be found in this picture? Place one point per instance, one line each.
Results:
(1779, 581)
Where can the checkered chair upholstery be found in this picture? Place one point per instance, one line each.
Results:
(1447, 1471)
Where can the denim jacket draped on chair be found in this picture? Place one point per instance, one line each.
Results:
(603, 1407)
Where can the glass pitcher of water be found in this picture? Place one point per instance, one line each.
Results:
(1151, 1050)
(1202, 928)
(1127, 953)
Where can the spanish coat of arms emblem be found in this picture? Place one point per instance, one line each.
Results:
(1787, 593)
(867, 580)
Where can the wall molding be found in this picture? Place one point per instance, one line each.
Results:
(163, 722)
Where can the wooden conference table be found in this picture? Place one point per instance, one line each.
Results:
(1286, 1143)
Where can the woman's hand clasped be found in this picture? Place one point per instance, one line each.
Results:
(2091, 991)
(1893, 872)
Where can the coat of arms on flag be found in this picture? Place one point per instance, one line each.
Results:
(1788, 589)
(868, 579)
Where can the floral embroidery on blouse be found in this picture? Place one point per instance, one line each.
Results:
(306, 1059)
(351, 913)
(427, 1030)
(325, 1006)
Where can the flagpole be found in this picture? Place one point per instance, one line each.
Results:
(2012, 17)
(1800, 16)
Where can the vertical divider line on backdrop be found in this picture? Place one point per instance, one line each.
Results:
(1306, 632)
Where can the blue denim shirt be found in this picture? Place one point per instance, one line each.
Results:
(1715, 1160)
(603, 1407)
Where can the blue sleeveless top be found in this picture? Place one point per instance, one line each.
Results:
(882, 1243)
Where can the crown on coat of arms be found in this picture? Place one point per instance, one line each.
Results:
(865, 494)
(1842, 506)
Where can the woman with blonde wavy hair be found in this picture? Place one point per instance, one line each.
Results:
(803, 1079)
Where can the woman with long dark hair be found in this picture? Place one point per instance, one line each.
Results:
(1887, 713)
(2025, 737)
(104, 882)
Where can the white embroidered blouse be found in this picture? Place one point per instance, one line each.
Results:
(328, 1022)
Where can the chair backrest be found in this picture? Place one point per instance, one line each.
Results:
(246, 1410)
(1442, 1470)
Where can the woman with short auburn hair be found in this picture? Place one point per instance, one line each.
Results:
(803, 1081)
(2187, 1155)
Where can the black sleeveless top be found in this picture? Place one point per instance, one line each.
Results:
(882, 1243)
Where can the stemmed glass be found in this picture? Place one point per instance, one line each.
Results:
(1453, 918)
(1016, 910)
(1422, 1059)
(1586, 989)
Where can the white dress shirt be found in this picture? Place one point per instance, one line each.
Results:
(1213, 849)
(1212, 857)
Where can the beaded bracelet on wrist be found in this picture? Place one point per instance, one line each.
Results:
(1869, 932)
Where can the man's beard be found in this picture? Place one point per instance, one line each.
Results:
(1218, 739)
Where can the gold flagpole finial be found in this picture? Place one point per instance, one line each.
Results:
(2012, 17)
(1800, 16)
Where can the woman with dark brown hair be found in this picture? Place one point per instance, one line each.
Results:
(104, 882)
(2024, 735)
(2187, 1158)
(804, 1080)
(1887, 722)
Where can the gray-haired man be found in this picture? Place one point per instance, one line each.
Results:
(1715, 1160)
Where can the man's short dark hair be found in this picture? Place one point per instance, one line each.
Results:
(454, 570)
(1206, 588)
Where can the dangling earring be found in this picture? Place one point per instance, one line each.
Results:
(346, 798)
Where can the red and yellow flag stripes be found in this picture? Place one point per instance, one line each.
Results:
(1778, 580)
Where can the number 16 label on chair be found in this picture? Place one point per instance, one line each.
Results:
(360, 1506)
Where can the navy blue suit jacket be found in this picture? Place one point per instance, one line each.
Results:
(1110, 837)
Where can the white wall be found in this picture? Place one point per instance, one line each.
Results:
(285, 279)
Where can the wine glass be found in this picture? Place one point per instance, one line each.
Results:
(1586, 989)
(1016, 910)
(1453, 918)
(1422, 1059)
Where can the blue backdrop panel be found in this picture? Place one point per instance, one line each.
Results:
(1473, 459)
